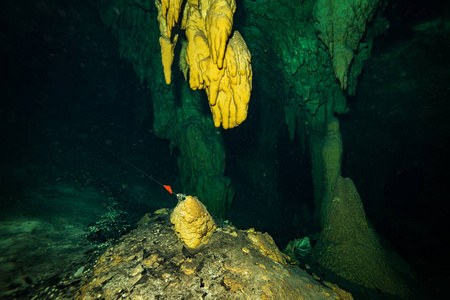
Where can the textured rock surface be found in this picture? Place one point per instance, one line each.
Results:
(290, 43)
(341, 25)
(152, 263)
(332, 150)
(192, 222)
(350, 247)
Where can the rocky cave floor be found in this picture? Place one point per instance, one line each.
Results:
(66, 198)
(73, 206)
(60, 234)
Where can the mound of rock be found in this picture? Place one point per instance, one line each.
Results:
(152, 262)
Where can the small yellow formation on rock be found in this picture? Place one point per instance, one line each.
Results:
(192, 222)
(216, 62)
(266, 245)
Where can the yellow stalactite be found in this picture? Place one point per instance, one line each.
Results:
(173, 14)
(197, 49)
(217, 63)
(219, 22)
(164, 6)
(167, 53)
(229, 91)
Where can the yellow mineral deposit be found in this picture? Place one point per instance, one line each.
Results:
(217, 58)
(192, 222)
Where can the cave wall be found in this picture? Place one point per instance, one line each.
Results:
(311, 58)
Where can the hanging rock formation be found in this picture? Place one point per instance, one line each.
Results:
(341, 25)
(217, 63)
(302, 47)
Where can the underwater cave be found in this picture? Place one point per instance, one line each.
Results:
(224, 149)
